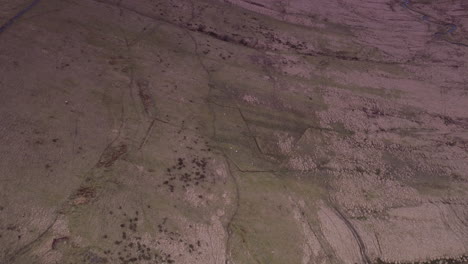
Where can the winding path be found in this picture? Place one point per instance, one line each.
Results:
(18, 15)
